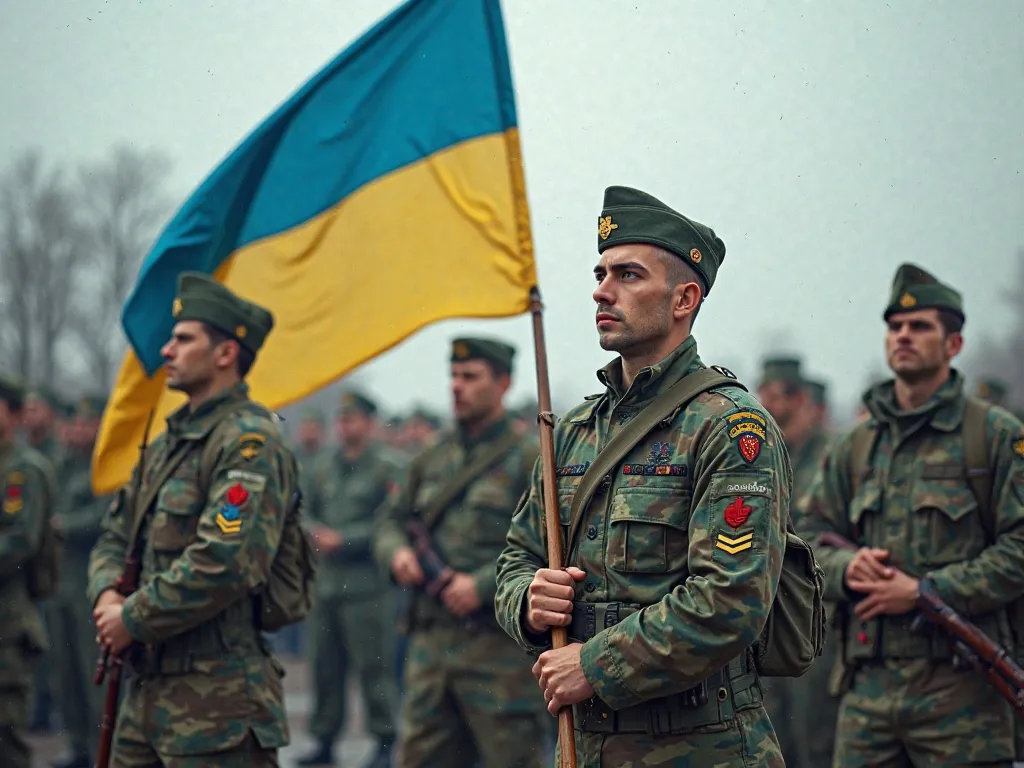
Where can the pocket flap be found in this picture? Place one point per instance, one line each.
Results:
(654, 505)
(951, 499)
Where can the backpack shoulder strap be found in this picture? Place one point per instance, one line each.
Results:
(862, 442)
(664, 405)
(976, 459)
(451, 490)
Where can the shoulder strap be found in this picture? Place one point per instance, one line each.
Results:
(470, 472)
(979, 475)
(664, 405)
(862, 440)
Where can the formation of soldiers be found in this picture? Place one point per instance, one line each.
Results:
(684, 501)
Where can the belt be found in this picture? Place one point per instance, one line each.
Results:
(590, 618)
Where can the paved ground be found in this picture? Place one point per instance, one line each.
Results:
(354, 746)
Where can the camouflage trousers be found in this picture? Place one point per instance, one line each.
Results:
(922, 713)
(17, 673)
(352, 636)
(220, 714)
(471, 697)
(747, 740)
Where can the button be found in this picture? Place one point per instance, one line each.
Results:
(592, 532)
(590, 586)
(723, 694)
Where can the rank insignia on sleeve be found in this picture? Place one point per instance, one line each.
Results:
(736, 514)
(13, 502)
(734, 546)
(251, 443)
(229, 518)
(1018, 447)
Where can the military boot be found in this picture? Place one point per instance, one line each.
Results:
(324, 755)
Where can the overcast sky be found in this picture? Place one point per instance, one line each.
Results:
(825, 142)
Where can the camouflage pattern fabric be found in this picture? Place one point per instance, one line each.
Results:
(801, 709)
(690, 533)
(205, 684)
(26, 484)
(73, 632)
(451, 669)
(915, 502)
(352, 622)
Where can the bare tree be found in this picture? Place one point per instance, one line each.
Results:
(41, 253)
(123, 201)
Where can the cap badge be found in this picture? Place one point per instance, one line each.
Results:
(461, 350)
(906, 300)
(176, 307)
(241, 331)
(605, 226)
(695, 256)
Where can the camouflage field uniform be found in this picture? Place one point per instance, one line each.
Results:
(682, 548)
(73, 632)
(468, 692)
(351, 626)
(205, 688)
(801, 709)
(905, 702)
(26, 487)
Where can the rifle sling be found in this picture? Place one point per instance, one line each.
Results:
(664, 405)
(431, 513)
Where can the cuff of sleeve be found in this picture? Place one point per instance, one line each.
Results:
(98, 587)
(604, 674)
(132, 622)
(835, 578)
(531, 643)
(942, 584)
(486, 581)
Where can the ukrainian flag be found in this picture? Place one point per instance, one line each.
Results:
(384, 195)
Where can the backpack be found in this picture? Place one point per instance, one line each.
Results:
(287, 597)
(794, 633)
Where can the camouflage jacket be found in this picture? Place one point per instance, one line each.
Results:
(345, 495)
(915, 501)
(27, 487)
(471, 531)
(204, 554)
(690, 530)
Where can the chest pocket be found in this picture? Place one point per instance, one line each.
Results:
(177, 508)
(648, 529)
(947, 522)
(864, 511)
(491, 501)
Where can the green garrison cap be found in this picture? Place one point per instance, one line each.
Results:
(313, 415)
(913, 289)
(422, 414)
(632, 216)
(818, 390)
(202, 298)
(497, 353)
(785, 369)
(90, 407)
(354, 402)
(12, 391)
(993, 390)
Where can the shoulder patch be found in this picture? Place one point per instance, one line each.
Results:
(252, 480)
(13, 501)
(747, 430)
(229, 518)
(1018, 446)
(250, 444)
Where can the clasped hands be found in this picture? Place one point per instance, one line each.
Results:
(559, 672)
(889, 591)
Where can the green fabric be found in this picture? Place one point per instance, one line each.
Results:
(12, 391)
(786, 369)
(913, 288)
(202, 298)
(818, 390)
(355, 402)
(632, 216)
(315, 415)
(993, 390)
(497, 353)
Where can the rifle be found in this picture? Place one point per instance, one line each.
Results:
(126, 584)
(437, 573)
(970, 644)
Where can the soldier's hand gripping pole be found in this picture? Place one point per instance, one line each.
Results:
(109, 667)
(559, 635)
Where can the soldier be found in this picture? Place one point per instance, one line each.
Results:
(468, 690)
(352, 627)
(819, 401)
(679, 557)
(78, 516)
(801, 709)
(26, 480)
(897, 486)
(994, 391)
(41, 423)
(211, 509)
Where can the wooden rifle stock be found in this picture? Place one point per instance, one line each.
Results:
(107, 667)
(969, 642)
